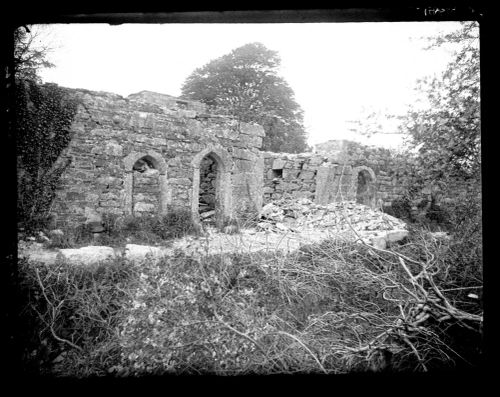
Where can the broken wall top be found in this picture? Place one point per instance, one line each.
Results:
(138, 104)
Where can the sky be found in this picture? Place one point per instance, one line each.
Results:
(338, 71)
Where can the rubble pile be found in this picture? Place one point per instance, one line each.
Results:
(285, 224)
(295, 215)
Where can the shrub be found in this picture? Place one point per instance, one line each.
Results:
(72, 310)
(61, 241)
(400, 208)
(71, 237)
(111, 223)
(174, 224)
(333, 307)
(230, 225)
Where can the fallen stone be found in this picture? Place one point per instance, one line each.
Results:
(95, 227)
(47, 257)
(379, 242)
(396, 235)
(281, 226)
(42, 237)
(56, 232)
(58, 359)
(271, 210)
(86, 255)
(441, 236)
(264, 225)
(230, 229)
(135, 252)
(207, 214)
(289, 221)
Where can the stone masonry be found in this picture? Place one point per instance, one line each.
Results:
(142, 154)
(342, 170)
(152, 153)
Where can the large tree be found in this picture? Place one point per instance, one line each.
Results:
(245, 84)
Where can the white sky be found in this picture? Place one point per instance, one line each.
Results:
(338, 71)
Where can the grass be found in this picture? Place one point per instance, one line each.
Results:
(149, 230)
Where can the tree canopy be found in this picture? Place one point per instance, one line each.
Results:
(29, 58)
(245, 84)
(447, 133)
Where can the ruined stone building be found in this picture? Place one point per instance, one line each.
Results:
(152, 153)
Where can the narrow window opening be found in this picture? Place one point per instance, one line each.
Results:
(278, 173)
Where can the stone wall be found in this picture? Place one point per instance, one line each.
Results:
(114, 137)
(348, 171)
(345, 171)
(152, 153)
(291, 175)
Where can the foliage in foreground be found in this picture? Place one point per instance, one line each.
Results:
(335, 307)
(332, 308)
(72, 312)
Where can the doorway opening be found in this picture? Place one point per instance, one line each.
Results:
(208, 193)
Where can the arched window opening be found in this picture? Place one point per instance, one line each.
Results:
(146, 188)
(207, 198)
(143, 164)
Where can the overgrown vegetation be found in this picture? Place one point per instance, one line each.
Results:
(42, 125)
(42, 119)
(334, 307)
(118, 231)
(447, 134)
(442, 133)
(71, 313)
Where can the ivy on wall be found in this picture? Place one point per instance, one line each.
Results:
(43, 116)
